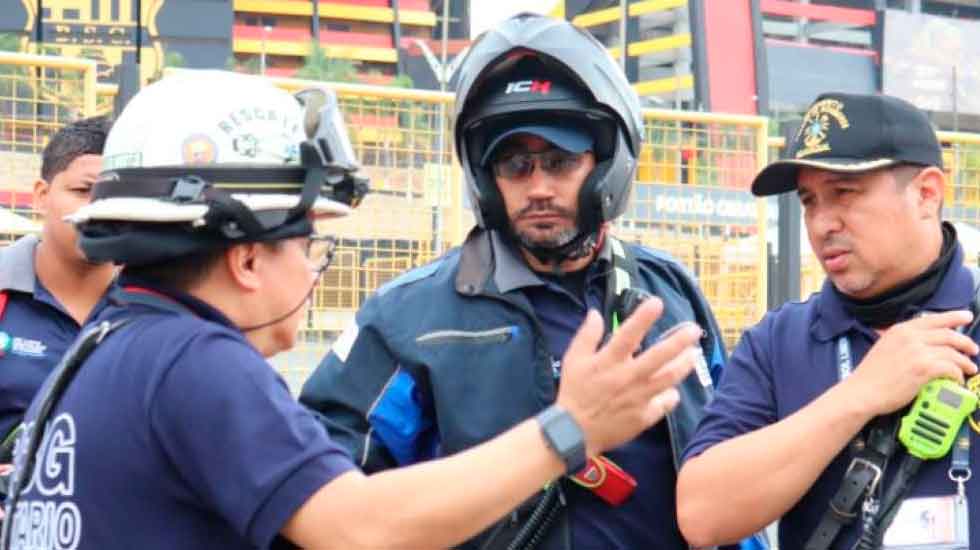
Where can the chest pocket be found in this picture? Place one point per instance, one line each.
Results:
(499, 335)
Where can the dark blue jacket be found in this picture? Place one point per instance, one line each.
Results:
(439, 360)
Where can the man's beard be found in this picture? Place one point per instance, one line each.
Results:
(539, 246)
(562, 237)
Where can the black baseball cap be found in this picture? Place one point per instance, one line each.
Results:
(853, 133)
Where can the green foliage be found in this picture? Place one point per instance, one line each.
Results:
(317, 66)
(402, 81)
(251, 65)
(248, 66)
(173, 59)
(9, 42)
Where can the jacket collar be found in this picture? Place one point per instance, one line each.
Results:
(489, 262)
(955, 292)
(134, 290)
(475, 264)
(17, 265)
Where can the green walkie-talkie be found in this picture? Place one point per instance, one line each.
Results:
(930, 427)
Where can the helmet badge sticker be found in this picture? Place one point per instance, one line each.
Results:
(199, 149)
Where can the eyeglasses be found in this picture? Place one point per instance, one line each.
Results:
(319, 250)
(555, 162)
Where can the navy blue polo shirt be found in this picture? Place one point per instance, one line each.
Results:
(788, 360)
(35, 331)
(647, 518)
(176, 433)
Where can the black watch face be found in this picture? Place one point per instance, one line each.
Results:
(566, 431)
(567, 439)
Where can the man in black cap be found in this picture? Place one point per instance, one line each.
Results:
(453, 353)
(803, 426)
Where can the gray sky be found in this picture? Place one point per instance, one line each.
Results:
(487, 13)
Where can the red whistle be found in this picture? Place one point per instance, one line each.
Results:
(607, 480)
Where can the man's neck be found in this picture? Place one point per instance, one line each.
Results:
(244, 309)
(77, 285)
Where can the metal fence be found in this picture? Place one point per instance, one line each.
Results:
(38, 94)
(689, 200)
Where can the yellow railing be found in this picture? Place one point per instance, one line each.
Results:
(38, 94)
(689, 200)
(105, 98)
(961, 159)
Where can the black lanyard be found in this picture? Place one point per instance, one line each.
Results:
(961, 450)
(59, 380)
(862, 480)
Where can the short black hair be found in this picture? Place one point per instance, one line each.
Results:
(83, 137)
(180, 274)
(184, 273)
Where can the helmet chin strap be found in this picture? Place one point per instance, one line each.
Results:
(582, 245)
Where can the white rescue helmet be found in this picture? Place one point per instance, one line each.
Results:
(203, 159)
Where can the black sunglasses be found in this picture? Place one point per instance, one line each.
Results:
(555, 162)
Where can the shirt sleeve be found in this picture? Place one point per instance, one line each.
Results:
(744, 399)
(237, 437)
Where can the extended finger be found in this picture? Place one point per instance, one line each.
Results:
(586, 340)
(945, 319)
(953, 339)
(638, 389)
(962, 365)
(661, 404)
(674, 371)
(665, 351)
(627, 338)
(943, 363)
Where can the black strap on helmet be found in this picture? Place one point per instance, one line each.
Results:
(327, 170)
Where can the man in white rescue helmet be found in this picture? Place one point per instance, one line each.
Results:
(164, 427)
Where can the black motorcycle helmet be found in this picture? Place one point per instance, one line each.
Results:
(562, 73)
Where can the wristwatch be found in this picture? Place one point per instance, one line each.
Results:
(564, 436)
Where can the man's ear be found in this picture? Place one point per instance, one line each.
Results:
(242, 262)
(41, 189)
(930, 183)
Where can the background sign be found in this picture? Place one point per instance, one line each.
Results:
(921, 53)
